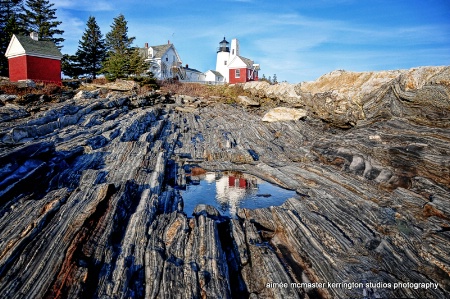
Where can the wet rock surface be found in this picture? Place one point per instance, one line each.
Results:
(90, 206)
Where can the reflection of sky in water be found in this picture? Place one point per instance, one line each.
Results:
(229, 191)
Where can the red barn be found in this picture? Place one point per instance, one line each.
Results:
(32, 59)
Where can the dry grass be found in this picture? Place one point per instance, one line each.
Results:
(100, 81)
(10, 88)
(40, 89)
(225, 92)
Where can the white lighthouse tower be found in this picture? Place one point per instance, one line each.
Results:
(223, 59)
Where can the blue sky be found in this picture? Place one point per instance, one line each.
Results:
(297, 40)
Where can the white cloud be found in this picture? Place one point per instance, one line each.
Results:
(85, 5)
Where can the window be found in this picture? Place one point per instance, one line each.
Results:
(232, 52)
(167, 58)
(225, 62)
(237, 73)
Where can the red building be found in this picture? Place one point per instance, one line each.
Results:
(242, 70)
(32, 59)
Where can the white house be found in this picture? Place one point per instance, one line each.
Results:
(188, 74)
(214, 77)
(164, 60)
(165, 63)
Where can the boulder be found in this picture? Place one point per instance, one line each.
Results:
(284, 92)
(207, 210)
(84, 94)
(284, 114)
(246, 101)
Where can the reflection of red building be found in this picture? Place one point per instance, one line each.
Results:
(231, 181)
(242, 183)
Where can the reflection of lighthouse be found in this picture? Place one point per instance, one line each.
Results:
(231, 190)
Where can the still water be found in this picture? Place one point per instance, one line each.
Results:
(228, 191)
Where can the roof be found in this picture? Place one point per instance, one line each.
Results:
(247, 61)
(158, 51)
(191, 69)
(240, 61)
(215, 73)
(32, 47)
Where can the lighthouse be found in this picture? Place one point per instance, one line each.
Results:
(233, 67)
(223, 58)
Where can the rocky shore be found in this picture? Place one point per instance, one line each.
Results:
(90, 205)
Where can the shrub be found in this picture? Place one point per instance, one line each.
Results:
(149, 82)
(49, 89)
(11, 88)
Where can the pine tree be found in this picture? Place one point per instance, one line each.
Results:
(137, 65)
(71, 66)
(92, 49)
(117, 39)
(274, 79)
(39, 16)
(115, 66)
(123, 60)
(9, 25)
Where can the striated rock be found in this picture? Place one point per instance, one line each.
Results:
(344, 98)
(7, 98)
(91, 207)
(284, 114)
(9, 112)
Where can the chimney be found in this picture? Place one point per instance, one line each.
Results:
(146, 45)
(187, 65)
(34, 36)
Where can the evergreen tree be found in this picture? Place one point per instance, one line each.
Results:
(9, 25)
(122, 60)
(92, 49)
(115, 66)
(39, 16)
(274, 79)
(71, 66)
(137, 65)
(117, 39)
